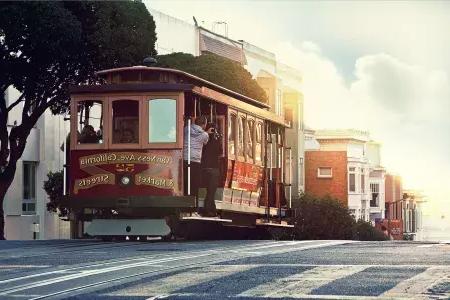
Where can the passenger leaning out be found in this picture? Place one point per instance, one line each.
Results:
(198, 138)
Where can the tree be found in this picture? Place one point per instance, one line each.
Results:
(54, 189)
(47, 46)
(216, 69)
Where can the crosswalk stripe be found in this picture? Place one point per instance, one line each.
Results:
(167, 285)
(419, 285)
(301, 284)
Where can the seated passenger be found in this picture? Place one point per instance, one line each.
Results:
(127, 137)
(88, 135)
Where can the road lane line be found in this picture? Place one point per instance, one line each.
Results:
(421, 283)
(302, 283)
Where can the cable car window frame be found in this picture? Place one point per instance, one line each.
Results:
(74, 123)
(179, 102)
(138, 145)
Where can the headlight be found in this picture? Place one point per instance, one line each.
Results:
(125, 180)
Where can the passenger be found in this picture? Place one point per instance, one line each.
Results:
(198, 138)
(210, 169)
(88, 135)
(127, 137)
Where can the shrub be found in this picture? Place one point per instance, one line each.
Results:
(216, 69)
(364, 231)
(322, 218)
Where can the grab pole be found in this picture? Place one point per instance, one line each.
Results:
(189, 157)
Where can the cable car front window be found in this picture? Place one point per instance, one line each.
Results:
(90, 122)
(125, 122)
(162, 121)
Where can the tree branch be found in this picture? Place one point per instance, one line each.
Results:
(15, 102)
(4, 150)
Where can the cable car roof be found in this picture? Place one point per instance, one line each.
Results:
(189, 76)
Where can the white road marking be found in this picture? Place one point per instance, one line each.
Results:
(162, 287)
(303, 283)
(418, 285)
(285, 247)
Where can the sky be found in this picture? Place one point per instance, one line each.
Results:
(380, 66)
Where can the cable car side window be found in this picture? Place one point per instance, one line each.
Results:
(231, 135)
(89, 122)
(249, 138)
(162, 121)
(125, 122)
(258, 146)
(240, 146)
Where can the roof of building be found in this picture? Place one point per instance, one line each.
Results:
(215, 43)
(342, 134)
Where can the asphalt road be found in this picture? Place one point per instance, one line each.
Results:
(220, 269)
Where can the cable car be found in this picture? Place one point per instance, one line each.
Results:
(125, 168)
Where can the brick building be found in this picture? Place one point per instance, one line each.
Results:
(326, 174)
(338, 165)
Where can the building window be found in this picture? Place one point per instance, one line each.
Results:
(29, 188)
(162, 121)
(289, 116)
(375, 192)
(352, 180)
(363, 181)
(278, 103)
(90, 122)
(324, 172)
(125, 122)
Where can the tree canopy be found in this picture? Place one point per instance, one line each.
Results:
(46, 46)
(216, 69)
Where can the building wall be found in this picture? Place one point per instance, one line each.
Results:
(43, 150)
(335, 186)
(174, 35)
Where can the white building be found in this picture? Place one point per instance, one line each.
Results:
(26, 215)
(376, 181)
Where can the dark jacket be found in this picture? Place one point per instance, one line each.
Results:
(211, 152)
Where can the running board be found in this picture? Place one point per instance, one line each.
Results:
(206, 219)
(270, 224)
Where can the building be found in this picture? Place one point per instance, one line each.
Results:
(26, 215)
(345, 164)
(281, 83)
(376, 181)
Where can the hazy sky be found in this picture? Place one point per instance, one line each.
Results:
(379, 66)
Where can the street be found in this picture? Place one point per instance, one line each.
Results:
(88, 269)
